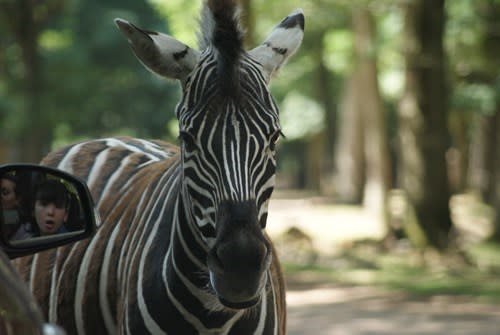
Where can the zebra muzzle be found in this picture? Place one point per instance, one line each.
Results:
(239, 259)
(238, 270)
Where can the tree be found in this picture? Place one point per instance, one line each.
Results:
(490, 47)
(77, 76)
(350, 159)
(376, 150)
(25, 20)
(423, 120)
(363, 160)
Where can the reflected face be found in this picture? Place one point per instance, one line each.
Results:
(8, 194)
(49, 217)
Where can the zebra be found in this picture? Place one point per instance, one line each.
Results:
(182, 247)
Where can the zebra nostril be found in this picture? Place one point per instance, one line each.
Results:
(244, 259)
(214, 262)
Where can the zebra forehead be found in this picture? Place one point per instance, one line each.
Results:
(227, 115)
(222, 35)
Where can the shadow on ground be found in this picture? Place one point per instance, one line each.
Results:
(328, 309)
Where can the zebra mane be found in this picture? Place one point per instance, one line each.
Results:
(220, 28)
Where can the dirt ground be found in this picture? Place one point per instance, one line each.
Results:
(323, 308)
(333, 310)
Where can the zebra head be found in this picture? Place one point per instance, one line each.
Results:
(229, 127)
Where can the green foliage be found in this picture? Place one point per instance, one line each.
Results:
(338, 50)
(182, 16)
(118, 92)
(421, 275)
(92, 84)
(473, 46)
(474, 96)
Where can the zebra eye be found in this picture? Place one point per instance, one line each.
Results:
(274, 139)
(188, 140)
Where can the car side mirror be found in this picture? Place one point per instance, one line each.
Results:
(42, 208)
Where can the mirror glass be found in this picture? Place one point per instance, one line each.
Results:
(40, 206)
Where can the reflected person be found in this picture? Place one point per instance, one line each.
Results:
(51, 208)
(8, 192)
(50, 211)
(11, 203)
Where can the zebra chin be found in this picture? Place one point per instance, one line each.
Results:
(239, 305)
(239, 298)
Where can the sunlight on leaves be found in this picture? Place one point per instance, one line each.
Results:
(301, 116)
(183, 16)
(55, 40)
(339, 50)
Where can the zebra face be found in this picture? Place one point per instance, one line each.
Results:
(229, 127)
(228, 156)
(228, 144)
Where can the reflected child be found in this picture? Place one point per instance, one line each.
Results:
(50, 211)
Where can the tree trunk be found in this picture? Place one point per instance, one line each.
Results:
(491, 47)
(495, 182)
(325, 96)
(34, 139)
(423, 120)
(34, 143)
(376, 149)
(349, 159)
(480, 176)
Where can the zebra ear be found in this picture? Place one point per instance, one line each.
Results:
(283, 41)
(158, 52)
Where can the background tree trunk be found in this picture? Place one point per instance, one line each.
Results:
(480, 176)
(494, 194)
(349, 159)
(325, 96)
(24, 19)
(491, 49)
(422, 115)
(376, 149)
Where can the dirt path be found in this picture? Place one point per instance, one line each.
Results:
(335, 310)
(320, 308)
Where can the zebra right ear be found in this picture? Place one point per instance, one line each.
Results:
(158, 52)
(281, 44)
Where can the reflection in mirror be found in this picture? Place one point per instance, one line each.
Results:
(38, 205)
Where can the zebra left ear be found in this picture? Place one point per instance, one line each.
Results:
(158, 52)
(282, 43)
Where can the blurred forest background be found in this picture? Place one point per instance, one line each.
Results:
(393, 105)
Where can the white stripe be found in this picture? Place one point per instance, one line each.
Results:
(94, 173)
(154, 148)
(115, 142)
(149, 322)
(116, 174)
(263, 311)
(275, 302)
(80, 284)
(109, 322)
(192, 257)
(53, 289)
(64, 164)
(125, 252)
(61, 276)
(33, 280)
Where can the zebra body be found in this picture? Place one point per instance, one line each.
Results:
(182, 247)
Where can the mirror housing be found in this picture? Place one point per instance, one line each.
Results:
(42, 208)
